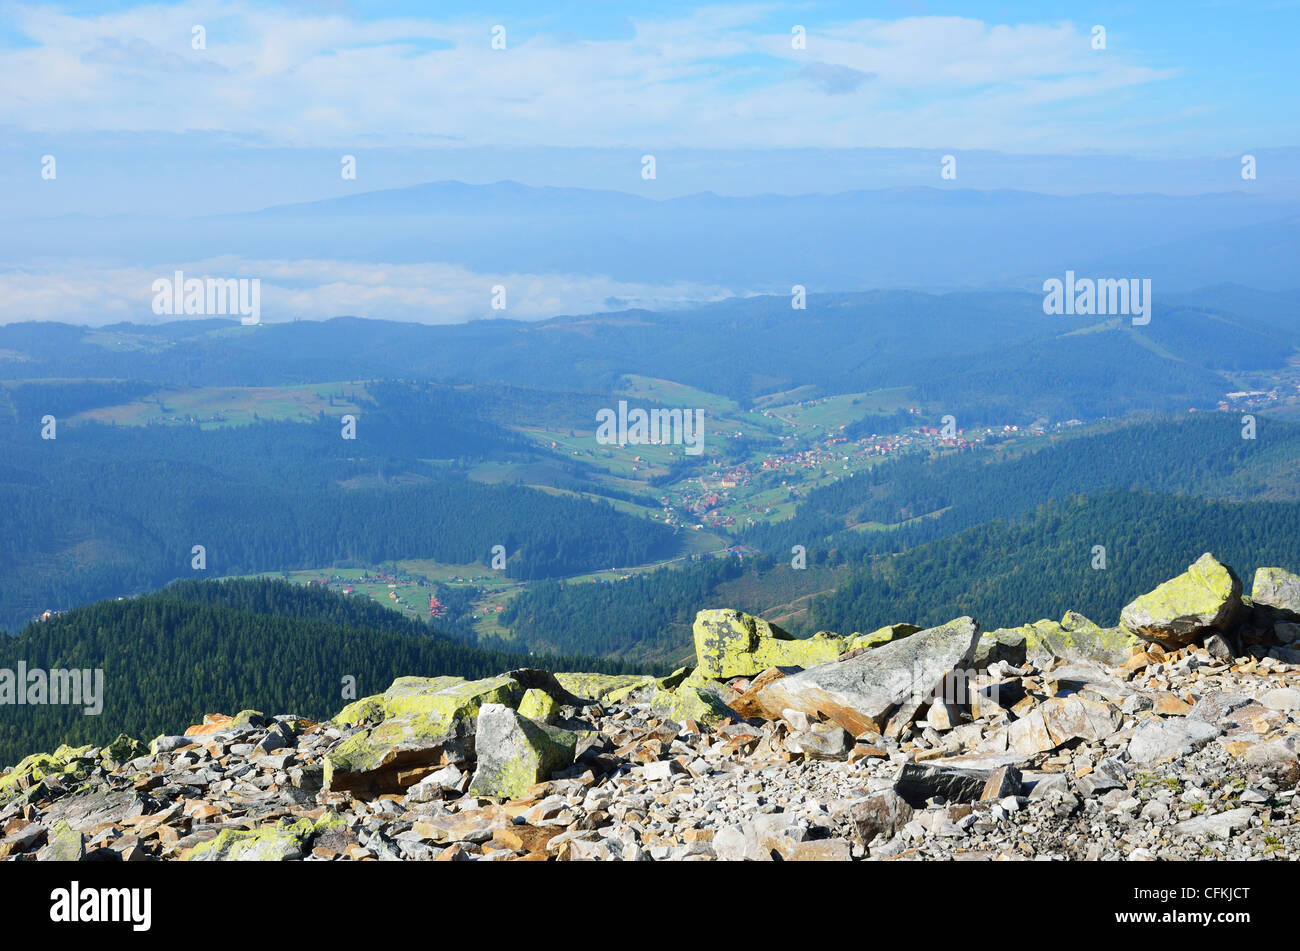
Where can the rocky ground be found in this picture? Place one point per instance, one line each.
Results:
(1171, 736)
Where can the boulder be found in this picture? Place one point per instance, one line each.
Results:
(467, 825)
(820, 741)
(1072, 639)
(1058, 721)
(515, 752)
(885, 635)
(1278, 589)
(883, 814)
(1204, 599)
(1221, 825)
(730, 644)
(422, 723)
(122, 750)
(1157, 740)
(764, 838)
(1005, 644)
(539, 705)
(860, 693)
(603, 688)
(690, 702)
(64, 844)
(917, 783)
(266, 844)
(748, 704)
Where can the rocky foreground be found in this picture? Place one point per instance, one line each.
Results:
(1173, 735)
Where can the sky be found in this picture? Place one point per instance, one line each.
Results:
(1011, 77)
(743, 98)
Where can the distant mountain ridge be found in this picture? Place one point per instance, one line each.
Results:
(921, 237)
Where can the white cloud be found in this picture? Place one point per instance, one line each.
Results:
(710, 78)
(432, 293)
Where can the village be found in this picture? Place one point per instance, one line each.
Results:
(770, 484)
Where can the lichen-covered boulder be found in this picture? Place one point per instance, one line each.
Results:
(862, 692)
(1205, 598)
(604, 688)
(405, 695)
(121, 750)
(267, 844)
(514, 752)
(885, 635)
(69, 762)
(691, 702)
(64, 844)
(1072, 639)
(539, 705)
(421, 722)
(1278, 589)
(729, 643)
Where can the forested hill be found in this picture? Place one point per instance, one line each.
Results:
(104, 510)
(1011, 572)
(985, 356)
(200, 647)
(930, 497)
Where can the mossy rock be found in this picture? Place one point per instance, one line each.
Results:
(729, 643)
(515, 752)
(1203, 599)
(422, 716)
(603, 688)
(1277, 589)
(690, 702)
(122, 750)
(539, 705)
(72, 763)
(64, 844)
(266, 844)
(1072, 639)
(884, 635)
(404, 695)
(247, 720)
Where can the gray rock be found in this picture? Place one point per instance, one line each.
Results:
(1285, 699)
(1216, 707)
(859, 693)
(829, 743)
(1221, 824)
(917, 783)
(168, 744)
(1005, 645)
(883, 814)
(515, 752)
(1157, 740)
(1277, 588)
(1108, 774)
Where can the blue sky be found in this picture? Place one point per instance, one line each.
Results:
(142, 123)
(1016, 77)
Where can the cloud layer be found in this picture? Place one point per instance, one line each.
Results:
(713, 77)
(430, 293)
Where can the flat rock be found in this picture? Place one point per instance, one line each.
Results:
(861, 692)
(1157, 740)
(1221, 824)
